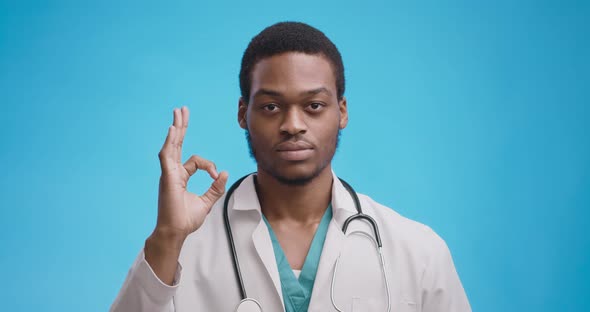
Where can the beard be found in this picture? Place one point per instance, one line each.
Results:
(293, 181)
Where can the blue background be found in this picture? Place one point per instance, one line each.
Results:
(469, 117)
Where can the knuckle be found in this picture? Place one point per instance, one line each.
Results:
(199, 160)
(202, 163)
(215, 191)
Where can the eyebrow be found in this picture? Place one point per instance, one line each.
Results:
(269, 92)
(318, 91)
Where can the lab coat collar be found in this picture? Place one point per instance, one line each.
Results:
(245, 197)
(342, 202)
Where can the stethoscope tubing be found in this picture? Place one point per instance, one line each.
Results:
(230, 237)
(236, 264)
(359, 214)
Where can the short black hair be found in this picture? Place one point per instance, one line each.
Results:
(289, 37)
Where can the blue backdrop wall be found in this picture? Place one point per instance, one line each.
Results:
(469, 117)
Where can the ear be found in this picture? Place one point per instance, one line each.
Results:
(343, 113)
(242, 112)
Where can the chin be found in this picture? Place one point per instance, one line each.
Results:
(299, 180)
(295, 174)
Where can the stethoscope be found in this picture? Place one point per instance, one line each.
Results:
(248, 304)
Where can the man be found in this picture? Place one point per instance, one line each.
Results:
(287, 219)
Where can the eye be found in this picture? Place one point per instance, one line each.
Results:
(316, 106)
(270, 107)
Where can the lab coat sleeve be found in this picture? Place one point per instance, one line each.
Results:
(441, 288)
(144, 291)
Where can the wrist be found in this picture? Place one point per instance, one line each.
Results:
(162, 251)
(166, 239)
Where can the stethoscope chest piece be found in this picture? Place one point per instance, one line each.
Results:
(248, 305)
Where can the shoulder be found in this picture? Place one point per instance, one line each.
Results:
(409, 235)
(419, 256)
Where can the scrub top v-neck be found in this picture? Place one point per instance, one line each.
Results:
(297, 291)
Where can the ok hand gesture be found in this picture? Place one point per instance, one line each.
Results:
(181, 212)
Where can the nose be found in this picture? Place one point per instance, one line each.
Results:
(293, 122)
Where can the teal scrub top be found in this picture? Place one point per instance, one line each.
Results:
(297, 292)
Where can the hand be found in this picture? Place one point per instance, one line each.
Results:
(181, 212)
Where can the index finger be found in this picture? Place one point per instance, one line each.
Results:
(185, 116)
(195, 163)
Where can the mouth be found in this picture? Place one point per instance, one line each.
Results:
(295, 151)
(296, 155)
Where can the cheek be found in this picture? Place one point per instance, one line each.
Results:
(327, 137)
(261, 136)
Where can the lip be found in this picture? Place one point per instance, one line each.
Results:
(293, 146)
(295, 151)
(296, 155)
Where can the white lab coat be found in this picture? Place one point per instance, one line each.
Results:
(419, 266)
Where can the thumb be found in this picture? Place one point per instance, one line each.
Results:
(216, 190)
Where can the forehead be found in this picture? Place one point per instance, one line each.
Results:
(293, 72)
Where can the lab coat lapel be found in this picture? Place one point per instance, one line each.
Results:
(263, 245)
(247, 199)
(343, 207)
(332, 245)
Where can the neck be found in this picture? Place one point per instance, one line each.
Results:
(300, 203)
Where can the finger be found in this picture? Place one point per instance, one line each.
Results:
(177, 118)
(195, 163)
(177, 123)
(166, 153)
(216, 190)
(185, 116)
(169, 138)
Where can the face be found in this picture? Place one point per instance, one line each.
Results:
(293, 117)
